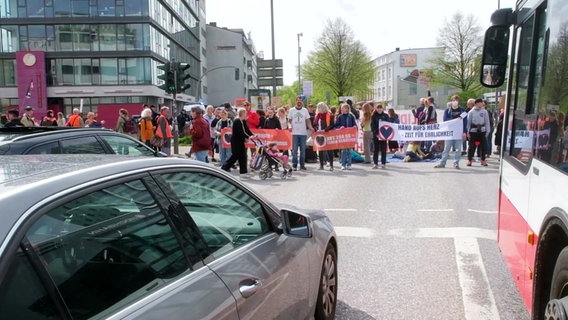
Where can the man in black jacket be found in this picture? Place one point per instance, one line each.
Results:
(13, 119)
(271, 121)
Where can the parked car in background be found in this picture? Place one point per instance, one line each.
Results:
(67, 140)
(115, 237)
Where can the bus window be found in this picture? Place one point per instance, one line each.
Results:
(519, 141)
(552, 134)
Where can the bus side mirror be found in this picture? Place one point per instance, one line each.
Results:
(495, 56)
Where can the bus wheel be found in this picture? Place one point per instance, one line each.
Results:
(558, 299)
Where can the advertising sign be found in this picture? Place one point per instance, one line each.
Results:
(408, 60)
(32, 90)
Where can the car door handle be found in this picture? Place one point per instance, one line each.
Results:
(536, 171)
(248, 287)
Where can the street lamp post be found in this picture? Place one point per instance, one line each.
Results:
(299, 66)
(273, 49)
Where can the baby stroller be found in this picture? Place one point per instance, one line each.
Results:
(263, 162)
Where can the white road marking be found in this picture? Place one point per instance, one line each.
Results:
(354, 232)
(478, 299)
(445, 233)
(342, 210)
(434, 210)
(481, 211)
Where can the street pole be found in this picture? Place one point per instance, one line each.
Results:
(174, 112)
(299, 66)
(273, 49)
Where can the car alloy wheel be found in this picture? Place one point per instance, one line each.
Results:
(327, 294)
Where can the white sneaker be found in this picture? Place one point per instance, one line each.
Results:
(348, 167)
(343, 168)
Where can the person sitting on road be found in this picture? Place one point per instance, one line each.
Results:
(413, 152)
(436, 150)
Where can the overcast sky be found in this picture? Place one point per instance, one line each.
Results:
(381, 25)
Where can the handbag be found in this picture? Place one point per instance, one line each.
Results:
(156, 141)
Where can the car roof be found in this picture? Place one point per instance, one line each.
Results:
(47, 175)
(21, 133)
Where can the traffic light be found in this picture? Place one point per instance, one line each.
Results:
(169, 85)
(182, 77)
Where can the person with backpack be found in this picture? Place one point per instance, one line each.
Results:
(146, 127)
(121, 121)
(75, 119)
(120, 127)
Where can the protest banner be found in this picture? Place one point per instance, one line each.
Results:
(335, 139)
(282, 138)
(448, 130)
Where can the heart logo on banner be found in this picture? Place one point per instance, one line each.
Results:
(543, 140)
(386, 132)
(320, 140)
(227, 137)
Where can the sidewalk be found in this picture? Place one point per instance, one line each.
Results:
(182, 150)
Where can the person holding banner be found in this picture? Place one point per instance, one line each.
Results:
(324, 121)
(379, 144)
(299, 120)
(345, 119)
(453, 111)
(224, 122)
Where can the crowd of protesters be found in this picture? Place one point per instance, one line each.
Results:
(205, 126)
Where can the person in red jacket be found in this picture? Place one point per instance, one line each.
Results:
(200, 135)
(253, 119)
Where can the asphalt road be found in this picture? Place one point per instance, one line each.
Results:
(414, 242)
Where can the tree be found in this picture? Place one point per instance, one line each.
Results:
(459, 67)
(555, 90)
(339, 64)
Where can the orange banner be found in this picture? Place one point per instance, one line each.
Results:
(282, 138)
(335, 139)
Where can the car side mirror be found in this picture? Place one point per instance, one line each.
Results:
(495, 56)
(296, 224)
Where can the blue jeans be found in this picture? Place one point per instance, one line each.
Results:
(298, 141)
(224, 155)
(449, 144)
(201, 155)
(345, 157)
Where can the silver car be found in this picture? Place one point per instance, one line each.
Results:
(113, 237)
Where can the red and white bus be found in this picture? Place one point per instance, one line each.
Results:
(533, 200)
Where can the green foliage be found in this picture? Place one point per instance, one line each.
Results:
(459, 66)
(555, 90)
(185, 140)
(339, 65)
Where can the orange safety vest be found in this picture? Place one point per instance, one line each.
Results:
(74, 121)
(159, 132)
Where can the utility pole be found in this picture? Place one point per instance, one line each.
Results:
(299, 66)
(273, 49)
(174, 109)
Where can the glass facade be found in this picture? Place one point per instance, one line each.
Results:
(103, 49)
